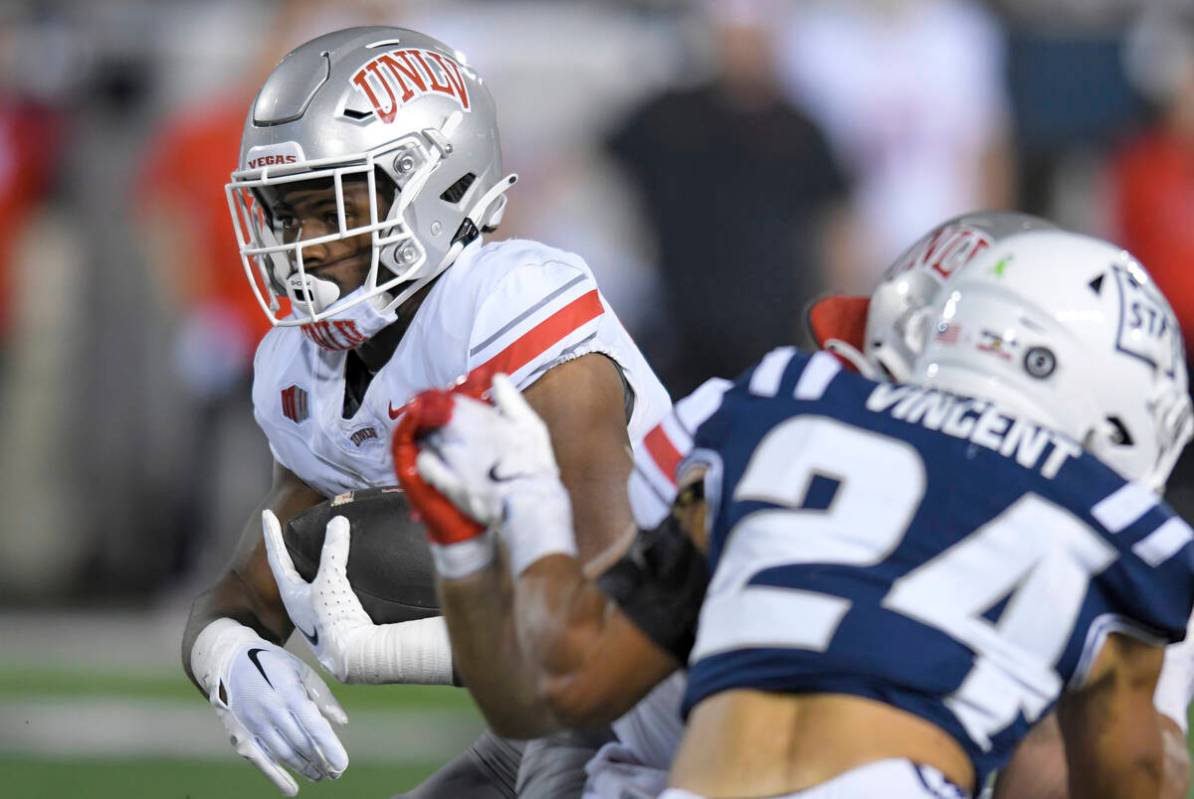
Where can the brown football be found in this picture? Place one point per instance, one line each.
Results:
(389, 563)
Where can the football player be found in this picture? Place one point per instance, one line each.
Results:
(871, 334)
(370, 167)
(879, 554)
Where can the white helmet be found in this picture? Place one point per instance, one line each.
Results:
(403, 111)
(884, 348)
(1069, 331)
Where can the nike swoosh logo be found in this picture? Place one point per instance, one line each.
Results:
(312, 637)
(504, 478)
(394, 412)
(254, 655)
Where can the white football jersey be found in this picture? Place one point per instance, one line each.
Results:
(518, 306)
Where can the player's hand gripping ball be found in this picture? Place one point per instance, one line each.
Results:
(389, 565)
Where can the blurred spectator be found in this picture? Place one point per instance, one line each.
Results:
(911, 94)
(742, 193)
(1153, 182)
(192, 250)
(1071, 102)
(28, 145)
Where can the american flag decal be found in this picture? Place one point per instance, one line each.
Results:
(294, 404)
(947, 333)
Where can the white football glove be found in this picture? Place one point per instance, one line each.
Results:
(271, 703)
(340, 633)
(495, 463)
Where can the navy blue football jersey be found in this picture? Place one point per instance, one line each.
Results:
(921, 549)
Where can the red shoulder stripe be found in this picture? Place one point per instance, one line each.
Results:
(663, 452)
(544, 335)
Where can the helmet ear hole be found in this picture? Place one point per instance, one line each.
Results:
(455, 193)
(1119, 432)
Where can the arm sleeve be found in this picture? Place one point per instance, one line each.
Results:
(660, 584)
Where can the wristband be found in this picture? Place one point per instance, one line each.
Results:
(537, 522)
(215, 646)
(462, 558)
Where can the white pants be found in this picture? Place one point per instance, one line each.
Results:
(890, 779)
(616, 772)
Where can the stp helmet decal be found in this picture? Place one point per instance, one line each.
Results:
(1144, 330)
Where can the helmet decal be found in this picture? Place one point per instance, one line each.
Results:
(402, 75)
(289, 152)
(1145, 328)
(1040, 362)
(949, 247)
(1068, 331)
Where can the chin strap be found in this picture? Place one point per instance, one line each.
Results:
(847, 352)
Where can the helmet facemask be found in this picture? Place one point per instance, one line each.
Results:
(399, 261)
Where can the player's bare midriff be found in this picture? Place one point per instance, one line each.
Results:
(753, 744)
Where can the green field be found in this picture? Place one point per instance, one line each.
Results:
(33, 699)
(46, 764)
(34, 778)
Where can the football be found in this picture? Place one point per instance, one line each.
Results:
(389, 563)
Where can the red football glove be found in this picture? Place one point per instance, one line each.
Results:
(431, 410)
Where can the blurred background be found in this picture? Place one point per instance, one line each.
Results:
(718, 164)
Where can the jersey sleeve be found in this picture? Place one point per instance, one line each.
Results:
(657, 458)
(538, 315)
(1152, 583)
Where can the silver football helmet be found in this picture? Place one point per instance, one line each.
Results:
(398, 109)
(891, 338)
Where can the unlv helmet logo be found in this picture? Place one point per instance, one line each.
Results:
(944, 251)
(395, 78)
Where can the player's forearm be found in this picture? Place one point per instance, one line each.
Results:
(1113, 749)
(488, 655)
(232, 598)
(1138, 775)
(591, 663)
(1176, 782)
(247, 592)
(1038, 767)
